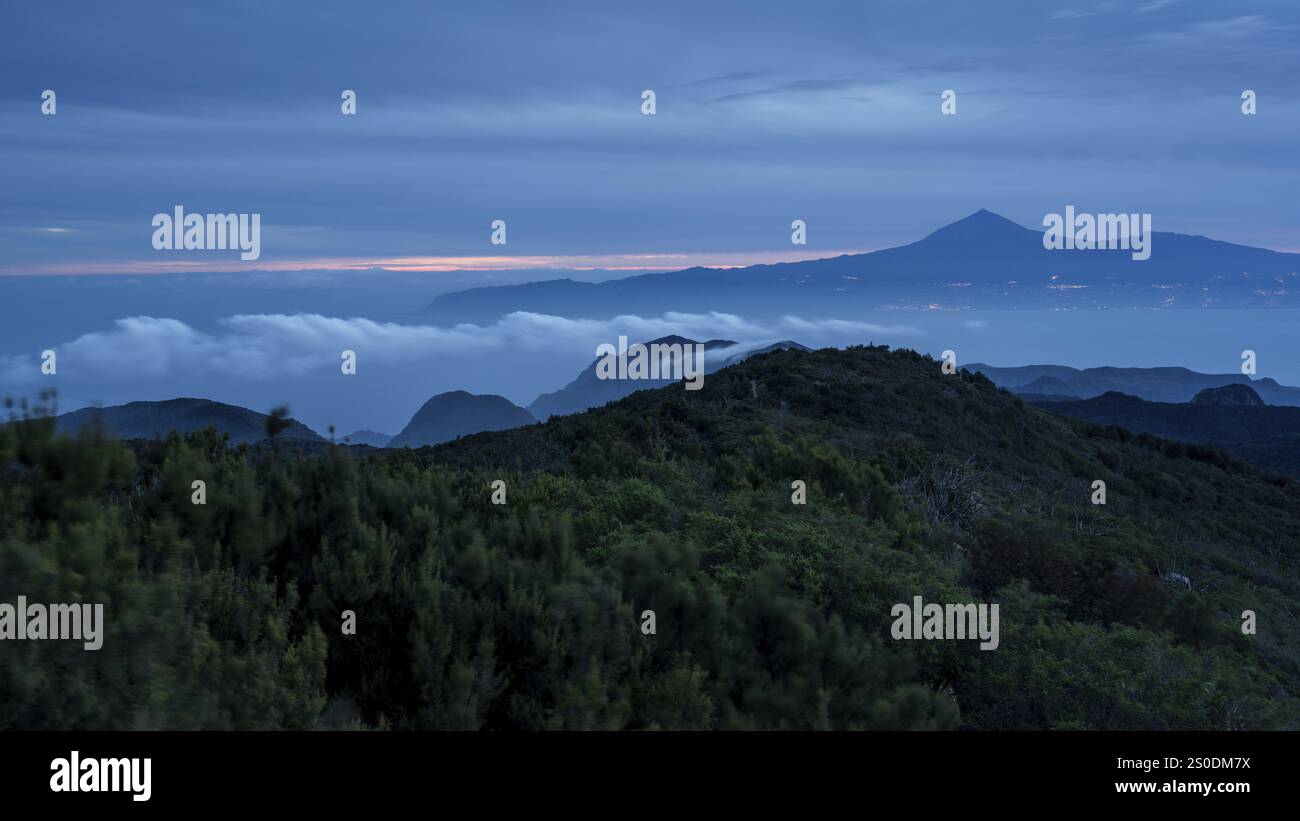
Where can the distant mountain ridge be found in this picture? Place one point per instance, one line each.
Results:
(982, 260)
(1169, 384)
(374, 439)
(442, 418)
(147, 420)
(1264, 435)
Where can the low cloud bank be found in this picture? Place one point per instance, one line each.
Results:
(274, 346)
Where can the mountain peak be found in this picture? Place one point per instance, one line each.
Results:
(979, 226)
(674, 339)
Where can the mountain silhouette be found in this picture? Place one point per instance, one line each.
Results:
(374, 439)
(980, 227)
(982, 260)
(1263, 435)
(1235, 395)
(1152, 384)
(454, 414)
(147, 420)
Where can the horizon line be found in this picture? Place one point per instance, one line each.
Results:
(631, 263)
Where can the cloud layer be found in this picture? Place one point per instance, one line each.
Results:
(265, 347)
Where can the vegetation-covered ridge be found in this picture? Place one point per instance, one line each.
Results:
(769, 614)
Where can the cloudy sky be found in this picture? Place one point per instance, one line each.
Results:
(531, 113)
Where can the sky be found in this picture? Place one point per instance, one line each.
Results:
(531, 113)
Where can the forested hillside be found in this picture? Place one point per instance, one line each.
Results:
(527, 614)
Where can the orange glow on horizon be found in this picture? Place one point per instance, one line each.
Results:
(428, 264)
